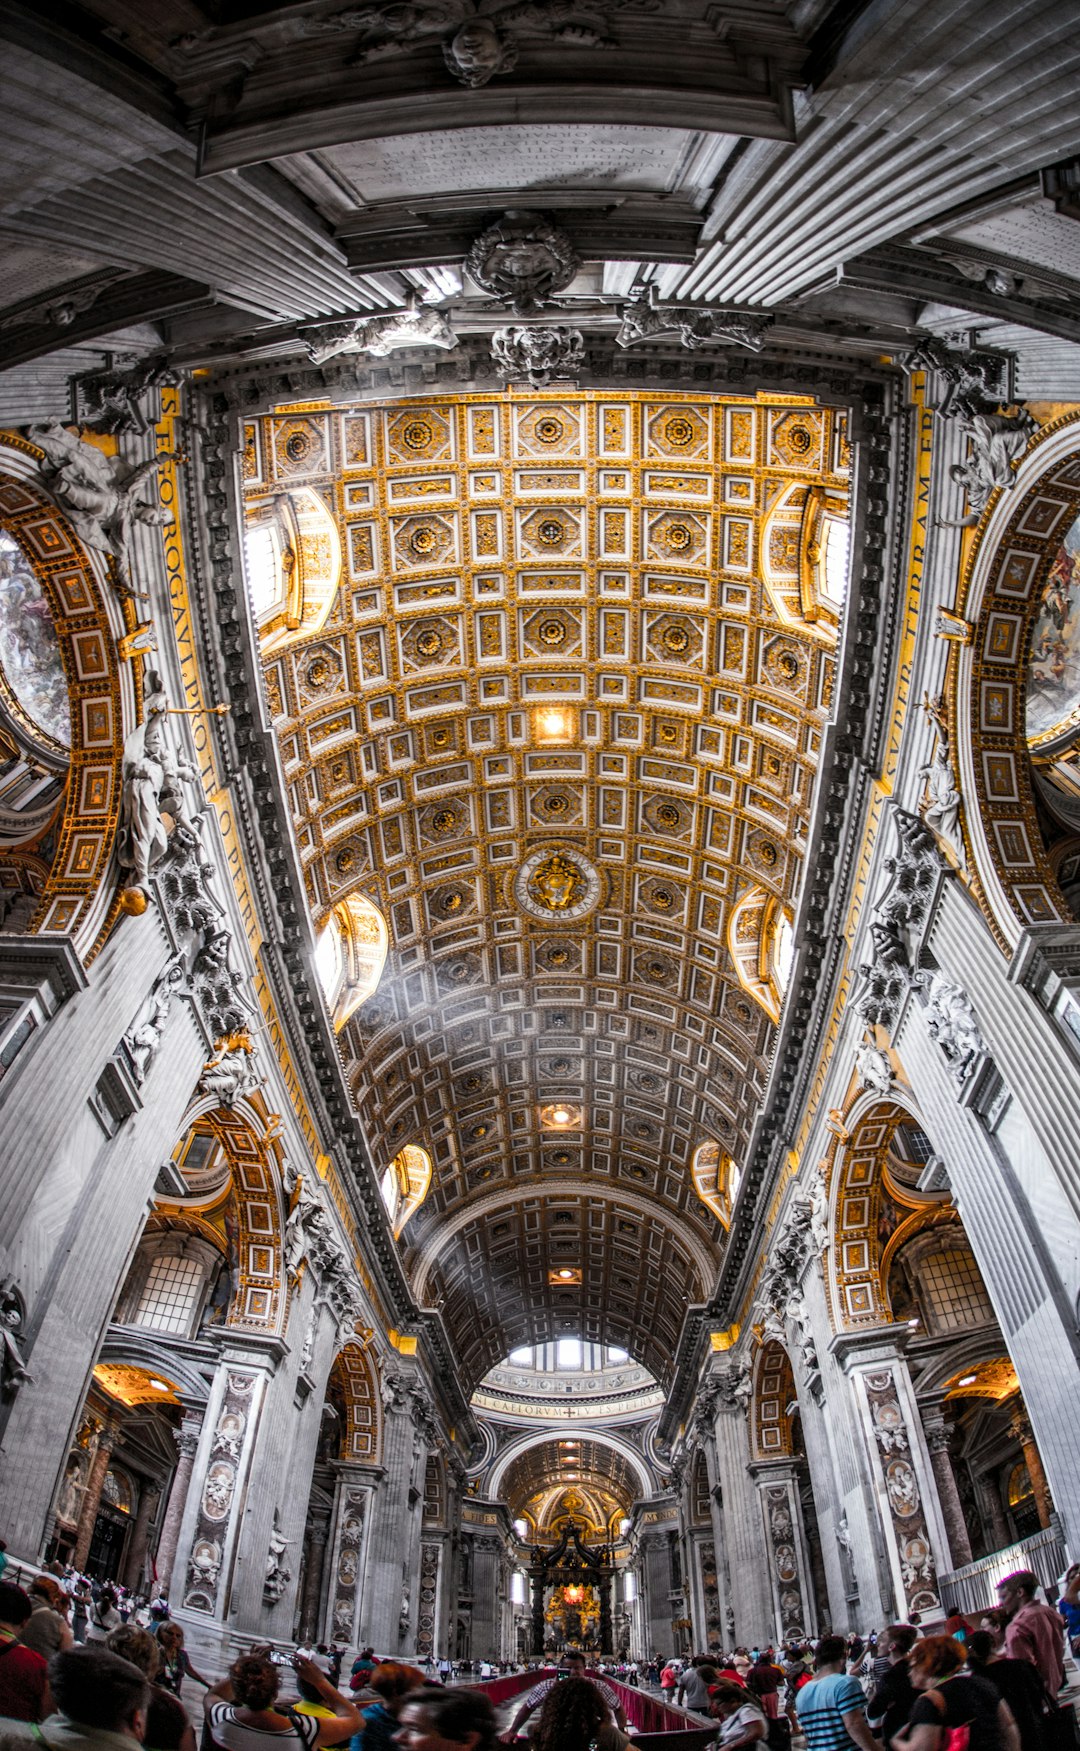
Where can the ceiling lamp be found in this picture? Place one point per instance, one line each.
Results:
(554, 725)
(560, 1116)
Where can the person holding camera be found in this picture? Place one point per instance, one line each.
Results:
(242, 1713)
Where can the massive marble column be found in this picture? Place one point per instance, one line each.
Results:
(1008, 1137)
(187, 1441)
(134, 1565)
(655, 1569)
(386, 1614)
(91, 1501)
(314, 1573)
(743, 1531)
(346, 1585)
(1020, 1430)
(937, 1432)
(900, 1465)
(788, 1558)
(487, 1550)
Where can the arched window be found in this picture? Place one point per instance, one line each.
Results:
(762, 944)
(350, 954)
(716, 1179)
(292, 562)
(169, 1283)
(405, 1185)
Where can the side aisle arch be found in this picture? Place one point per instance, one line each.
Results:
(354, 1379)
(774, 1394)
(77, 896)
(1001, 596)
(259, 1299)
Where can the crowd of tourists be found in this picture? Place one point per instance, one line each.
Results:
(991, 1684)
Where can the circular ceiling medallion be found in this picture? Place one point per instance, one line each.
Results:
(549, 429)
(417, 435)
(679, 431)
(556, 884)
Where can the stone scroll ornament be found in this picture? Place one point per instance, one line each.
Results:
(645, 319)
(909, 1526)
(218, 1496)
(347, 1568)
(417, 325)
(538, 354)
(523, 260)
(480, 38)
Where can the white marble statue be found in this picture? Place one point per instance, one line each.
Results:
(100, 494)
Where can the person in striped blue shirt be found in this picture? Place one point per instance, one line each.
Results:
(832, 1708)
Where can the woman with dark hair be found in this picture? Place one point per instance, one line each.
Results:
(947, 1698)
(241, 1712)
(103, 1617)
(436, 1719)
(1015, 1680)
(575, 1717)
(741, 1716)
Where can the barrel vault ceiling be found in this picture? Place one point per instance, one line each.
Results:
(560, 1022)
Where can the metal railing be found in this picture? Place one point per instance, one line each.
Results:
(974, 1587)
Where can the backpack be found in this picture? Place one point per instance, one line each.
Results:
(778, 1734)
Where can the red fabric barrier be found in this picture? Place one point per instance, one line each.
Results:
(501, 1690)
(649, 1720)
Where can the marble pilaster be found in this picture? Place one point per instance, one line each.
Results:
(135, 1563)
(187, 1441)
(788, 1557)
(350, 1536)
(743, 1531)
(91, 1501)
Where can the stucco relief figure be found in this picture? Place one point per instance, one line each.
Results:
(395, 1392)
(819, 1211)
(950, 1020)
(233, 1070)
(113, 399)
(523, 260)
(13, 1370)
(153, 806)
(205, 1564)
(873, 1068)
(902, 1487)
(644, 319)
(277, 1575)
(101, 495)
(145, 1037)
(942, 798)
(69, 1501)
(417, 325)
(479, 40)
(538, 353)
(998, 441)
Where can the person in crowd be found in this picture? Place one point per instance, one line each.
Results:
(796, 1673)
(3, 1558)
(1015, 1680)
(102, 1617)
(24, 1674)
(336, 1656)
(742, 1662)
(669, 1679)
(727, 1672)
(101, 1703)
(1032, 1631)
(241, 1715)
(763, 1681)
(167, 1724)
(362, 1668)
(175, 1660)
(537, 1696)
(321, 1658)
(575, 1717)
(831, 1709)
(956, 1624)
(434, 1719)
(378, 1722)
(742, 1719)
(81, 1600)
(949, 1698)
(694, 1684)
(1069, 1608)
(893, 1697)
(46, 1630)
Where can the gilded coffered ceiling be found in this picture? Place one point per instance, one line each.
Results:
(586, 1480)
(559, 720)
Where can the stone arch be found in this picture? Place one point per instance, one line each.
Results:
(774, 1396)
(572, 1431)
(254, 1217)
(77, 897)
(1014, 878)
(857, 1231)
(353, 1386)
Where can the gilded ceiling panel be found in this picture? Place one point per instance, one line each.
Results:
(558, 721)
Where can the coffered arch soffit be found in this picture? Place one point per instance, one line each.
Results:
(536, 1479)
(553, 728)
(608, 1455)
